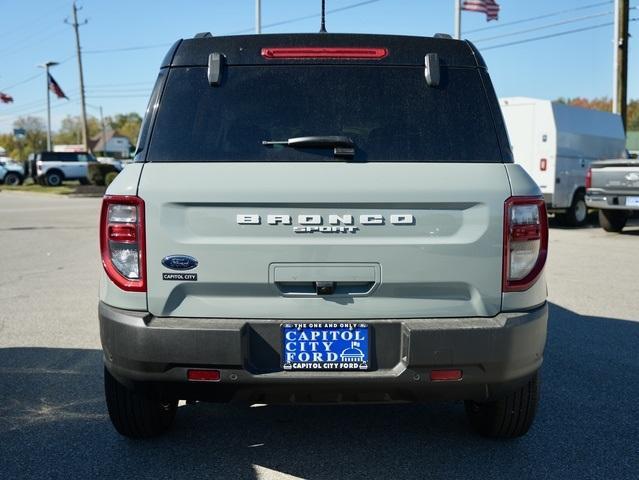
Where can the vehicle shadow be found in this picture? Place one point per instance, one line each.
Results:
(53, 424)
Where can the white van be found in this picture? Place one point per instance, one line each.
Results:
(555, 143)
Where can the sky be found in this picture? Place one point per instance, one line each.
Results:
(124, 42)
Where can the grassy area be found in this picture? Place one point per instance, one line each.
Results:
(67, 188)
(28, 186)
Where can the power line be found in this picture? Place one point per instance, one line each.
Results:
(21, 82)
(140, 95)
(539, 17)
(306, 17)
(9, 118)
(543, 27)
(552, 35)
(98, 85)
(30, 24)
(128, 49)
(39, 40)
(274, 24)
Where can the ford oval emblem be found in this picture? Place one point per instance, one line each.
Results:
(179, 262)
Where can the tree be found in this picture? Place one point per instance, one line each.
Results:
(35, 138)
(70, 132)
(605, 104)
(9, 143)
(127, 125)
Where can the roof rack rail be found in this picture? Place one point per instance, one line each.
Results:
(203, 35)
(442, 35)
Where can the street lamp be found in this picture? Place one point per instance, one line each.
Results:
(46, 67)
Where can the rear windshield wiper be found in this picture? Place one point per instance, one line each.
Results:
(342, 146)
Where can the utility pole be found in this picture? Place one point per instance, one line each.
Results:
(104, 140)
(258, 16)
(457, 19)
(76, 27)
(46, 66)
(620, 83)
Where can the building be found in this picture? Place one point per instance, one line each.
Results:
(117, 145)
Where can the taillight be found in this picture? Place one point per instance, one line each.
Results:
(589, 178)
(325, 52)
(122, 241)
(525, 242)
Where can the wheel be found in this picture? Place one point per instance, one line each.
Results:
(508, 417)
(612, 220)
(577, 213)
(12, 179)
(136, 414)
(84, 181)
(53, 179)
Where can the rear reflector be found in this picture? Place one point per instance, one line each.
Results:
(203, 375)
(445, 375)
(325, 52)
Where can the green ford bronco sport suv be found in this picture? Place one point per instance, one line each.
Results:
(323, 218)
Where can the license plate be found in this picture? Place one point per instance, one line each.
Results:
(325, 346)
(632, 201)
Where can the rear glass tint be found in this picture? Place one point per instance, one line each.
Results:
(389, 112)
(59, 157)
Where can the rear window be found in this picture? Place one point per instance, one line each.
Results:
(59, 157)
(389, 112)
(66, 157)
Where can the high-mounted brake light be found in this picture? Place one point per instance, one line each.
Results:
(122, 241)
(325, 52)
(525, 242)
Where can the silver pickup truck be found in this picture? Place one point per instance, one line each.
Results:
(323, 218)
(613, 189)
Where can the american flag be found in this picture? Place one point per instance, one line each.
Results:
(55, 88)
(489, 7)
(5, 98)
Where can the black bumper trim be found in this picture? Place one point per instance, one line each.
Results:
(492, 352)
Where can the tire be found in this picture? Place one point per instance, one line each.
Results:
(13, 179)
(613, 220)
(53, 178)
(577, 213)
(137, 414)
(508, 417)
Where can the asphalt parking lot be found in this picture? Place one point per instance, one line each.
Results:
(53, 421)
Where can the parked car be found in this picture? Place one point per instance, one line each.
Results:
(556, 143)
(323, 218)
(11, 173)
(117, 163)
(613, 189)
(52, 168)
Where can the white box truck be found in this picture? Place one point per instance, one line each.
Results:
(555, 143)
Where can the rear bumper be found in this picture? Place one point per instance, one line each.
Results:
(598, 198)
(495, 354)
